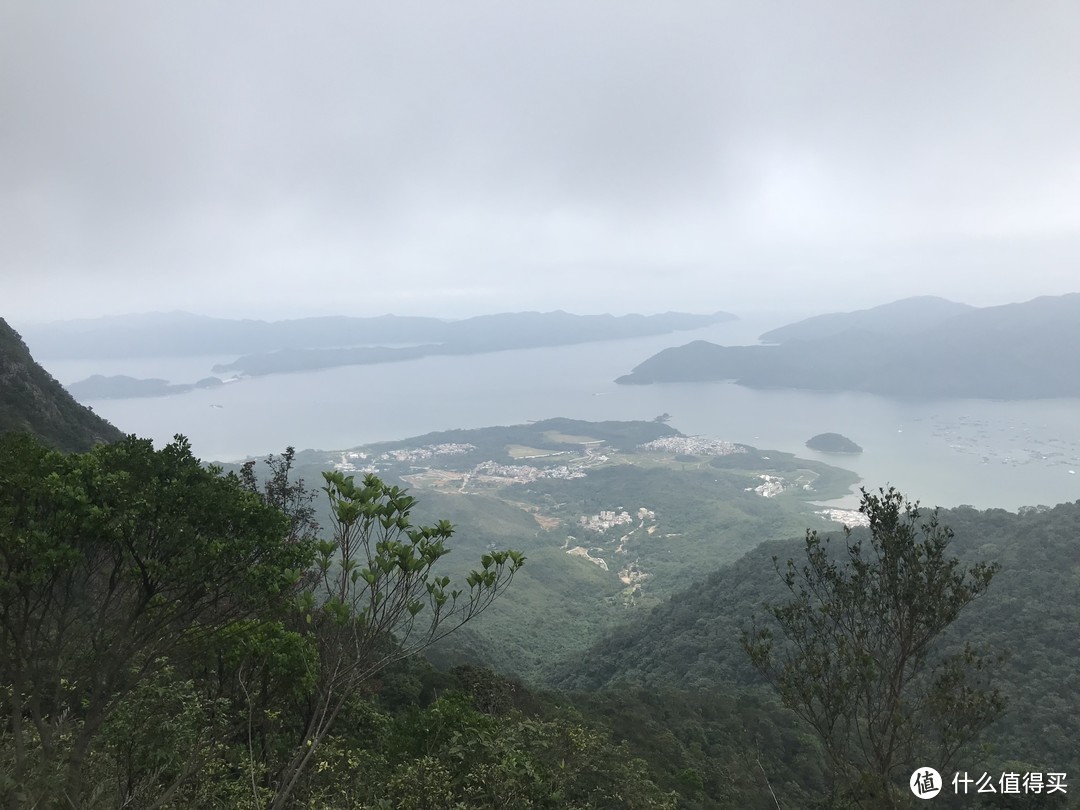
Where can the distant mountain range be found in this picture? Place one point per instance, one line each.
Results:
(918, 347)
(319, 342)
(906, 317)
(486, 333)
(181, 334)
(315, 343)
(31, 400)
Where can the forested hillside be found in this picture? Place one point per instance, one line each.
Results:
(260, 670)
(171, 636)
(31, 400)
(1031, 611)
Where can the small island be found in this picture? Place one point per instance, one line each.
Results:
(832, 443)
(121, 386)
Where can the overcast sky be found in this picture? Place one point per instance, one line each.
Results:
(273, 159)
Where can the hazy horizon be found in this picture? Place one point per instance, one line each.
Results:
(773, 316)
(428, 159)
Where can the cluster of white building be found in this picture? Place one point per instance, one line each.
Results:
(773, 485)
(693, 446)
(608, 518)
(351, 461)
(428, 451)
(847, 517)
(524, 473)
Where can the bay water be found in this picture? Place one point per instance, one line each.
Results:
(985, 453)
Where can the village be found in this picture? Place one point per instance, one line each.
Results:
(607, 519)
(524, 473)
(350, 461)
(694, 446)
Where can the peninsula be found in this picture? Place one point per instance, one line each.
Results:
(914, 348)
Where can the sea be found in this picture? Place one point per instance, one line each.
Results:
(983, 453)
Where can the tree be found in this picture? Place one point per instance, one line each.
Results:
(170, 634)
(113, 564)
(374, 598)
(291, 498)
(861, 660)
(451, 755)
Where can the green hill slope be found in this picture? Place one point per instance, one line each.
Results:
(1032, 609)
(31, 400)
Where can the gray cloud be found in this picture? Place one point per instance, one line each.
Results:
(271, 159)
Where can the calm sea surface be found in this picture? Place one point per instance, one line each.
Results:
(948, 452)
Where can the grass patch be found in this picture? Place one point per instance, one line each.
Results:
(565, 438)
(524, 451)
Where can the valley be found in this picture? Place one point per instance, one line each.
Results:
(614, 517)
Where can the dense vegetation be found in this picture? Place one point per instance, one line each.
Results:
(691, 642)
(854, 651)
(1005, 352)
(175, 636)
(31, 400)
(195, 665)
